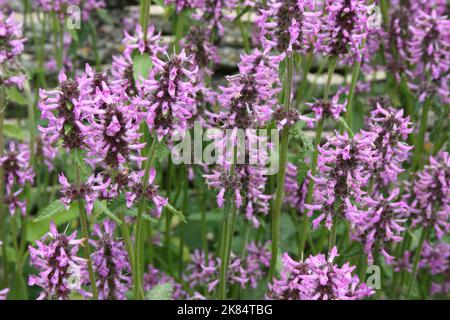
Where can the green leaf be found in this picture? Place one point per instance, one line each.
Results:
(160, 292)
(85, 170)
(103, 208)
(302, 170)
(141, 66)
(162, 151)
(37, 229)
(15, 132)
(51, 210)
(14, 95)
(176, 212)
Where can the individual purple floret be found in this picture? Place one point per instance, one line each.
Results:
(382, 223)
(88, 191)
(344, 168)
(60, 269)
(137, 190)
(181, 5)
(169, 95)
(317, 278)
(390, 127)
(110, 262)
(4, 293)
(154, 277)
(345, 24)
(432, 192)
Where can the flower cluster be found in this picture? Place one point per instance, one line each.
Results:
(382, 223)
(344, 168)
(432, 192)
(16, 173)
(60, 269)
(289, 25)
(328, 108)
(318, 278)
(436, 258)
(10, 48)
(390, 127)
(110, 263)
(345, 25)
(169, 95)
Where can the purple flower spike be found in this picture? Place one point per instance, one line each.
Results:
(344, 168)
(60, 270)
(317, 278)
(111, 263)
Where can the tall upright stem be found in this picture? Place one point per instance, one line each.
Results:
(138, 252)
(2, 191)
(85, 233)
(279, 194)
(305, 223)
(229, 218)
(144, 16)
(417, 160)
(418, 253)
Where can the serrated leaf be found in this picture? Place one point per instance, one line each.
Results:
(302, 170)
(176, 212)
(141, 66)
(160, 292)
(162, 150)
(85, 171)
(51, 210)
(103, 209)
(14, 95)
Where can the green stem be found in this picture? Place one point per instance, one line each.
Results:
(299, 98)
(179, 24)
(138, 250)
(351, 93)
(332, 240)
(229, 217)
(417, 160)
(2, 191)
(417, 255)
(128, 243)
(279, 193)
(144, 16)
(243, 31)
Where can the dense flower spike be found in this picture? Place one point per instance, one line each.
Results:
(63, 123)
(391, 127)
(12, 45)
(111, 263)
(345, 24)
(60, 270)
(430, 52)
(169, 95)
(344, 169)
(154, 277)
(432, 191)
(318, 278)
(16, 173)
(289, 25)
(381, 224)
(151, 45)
